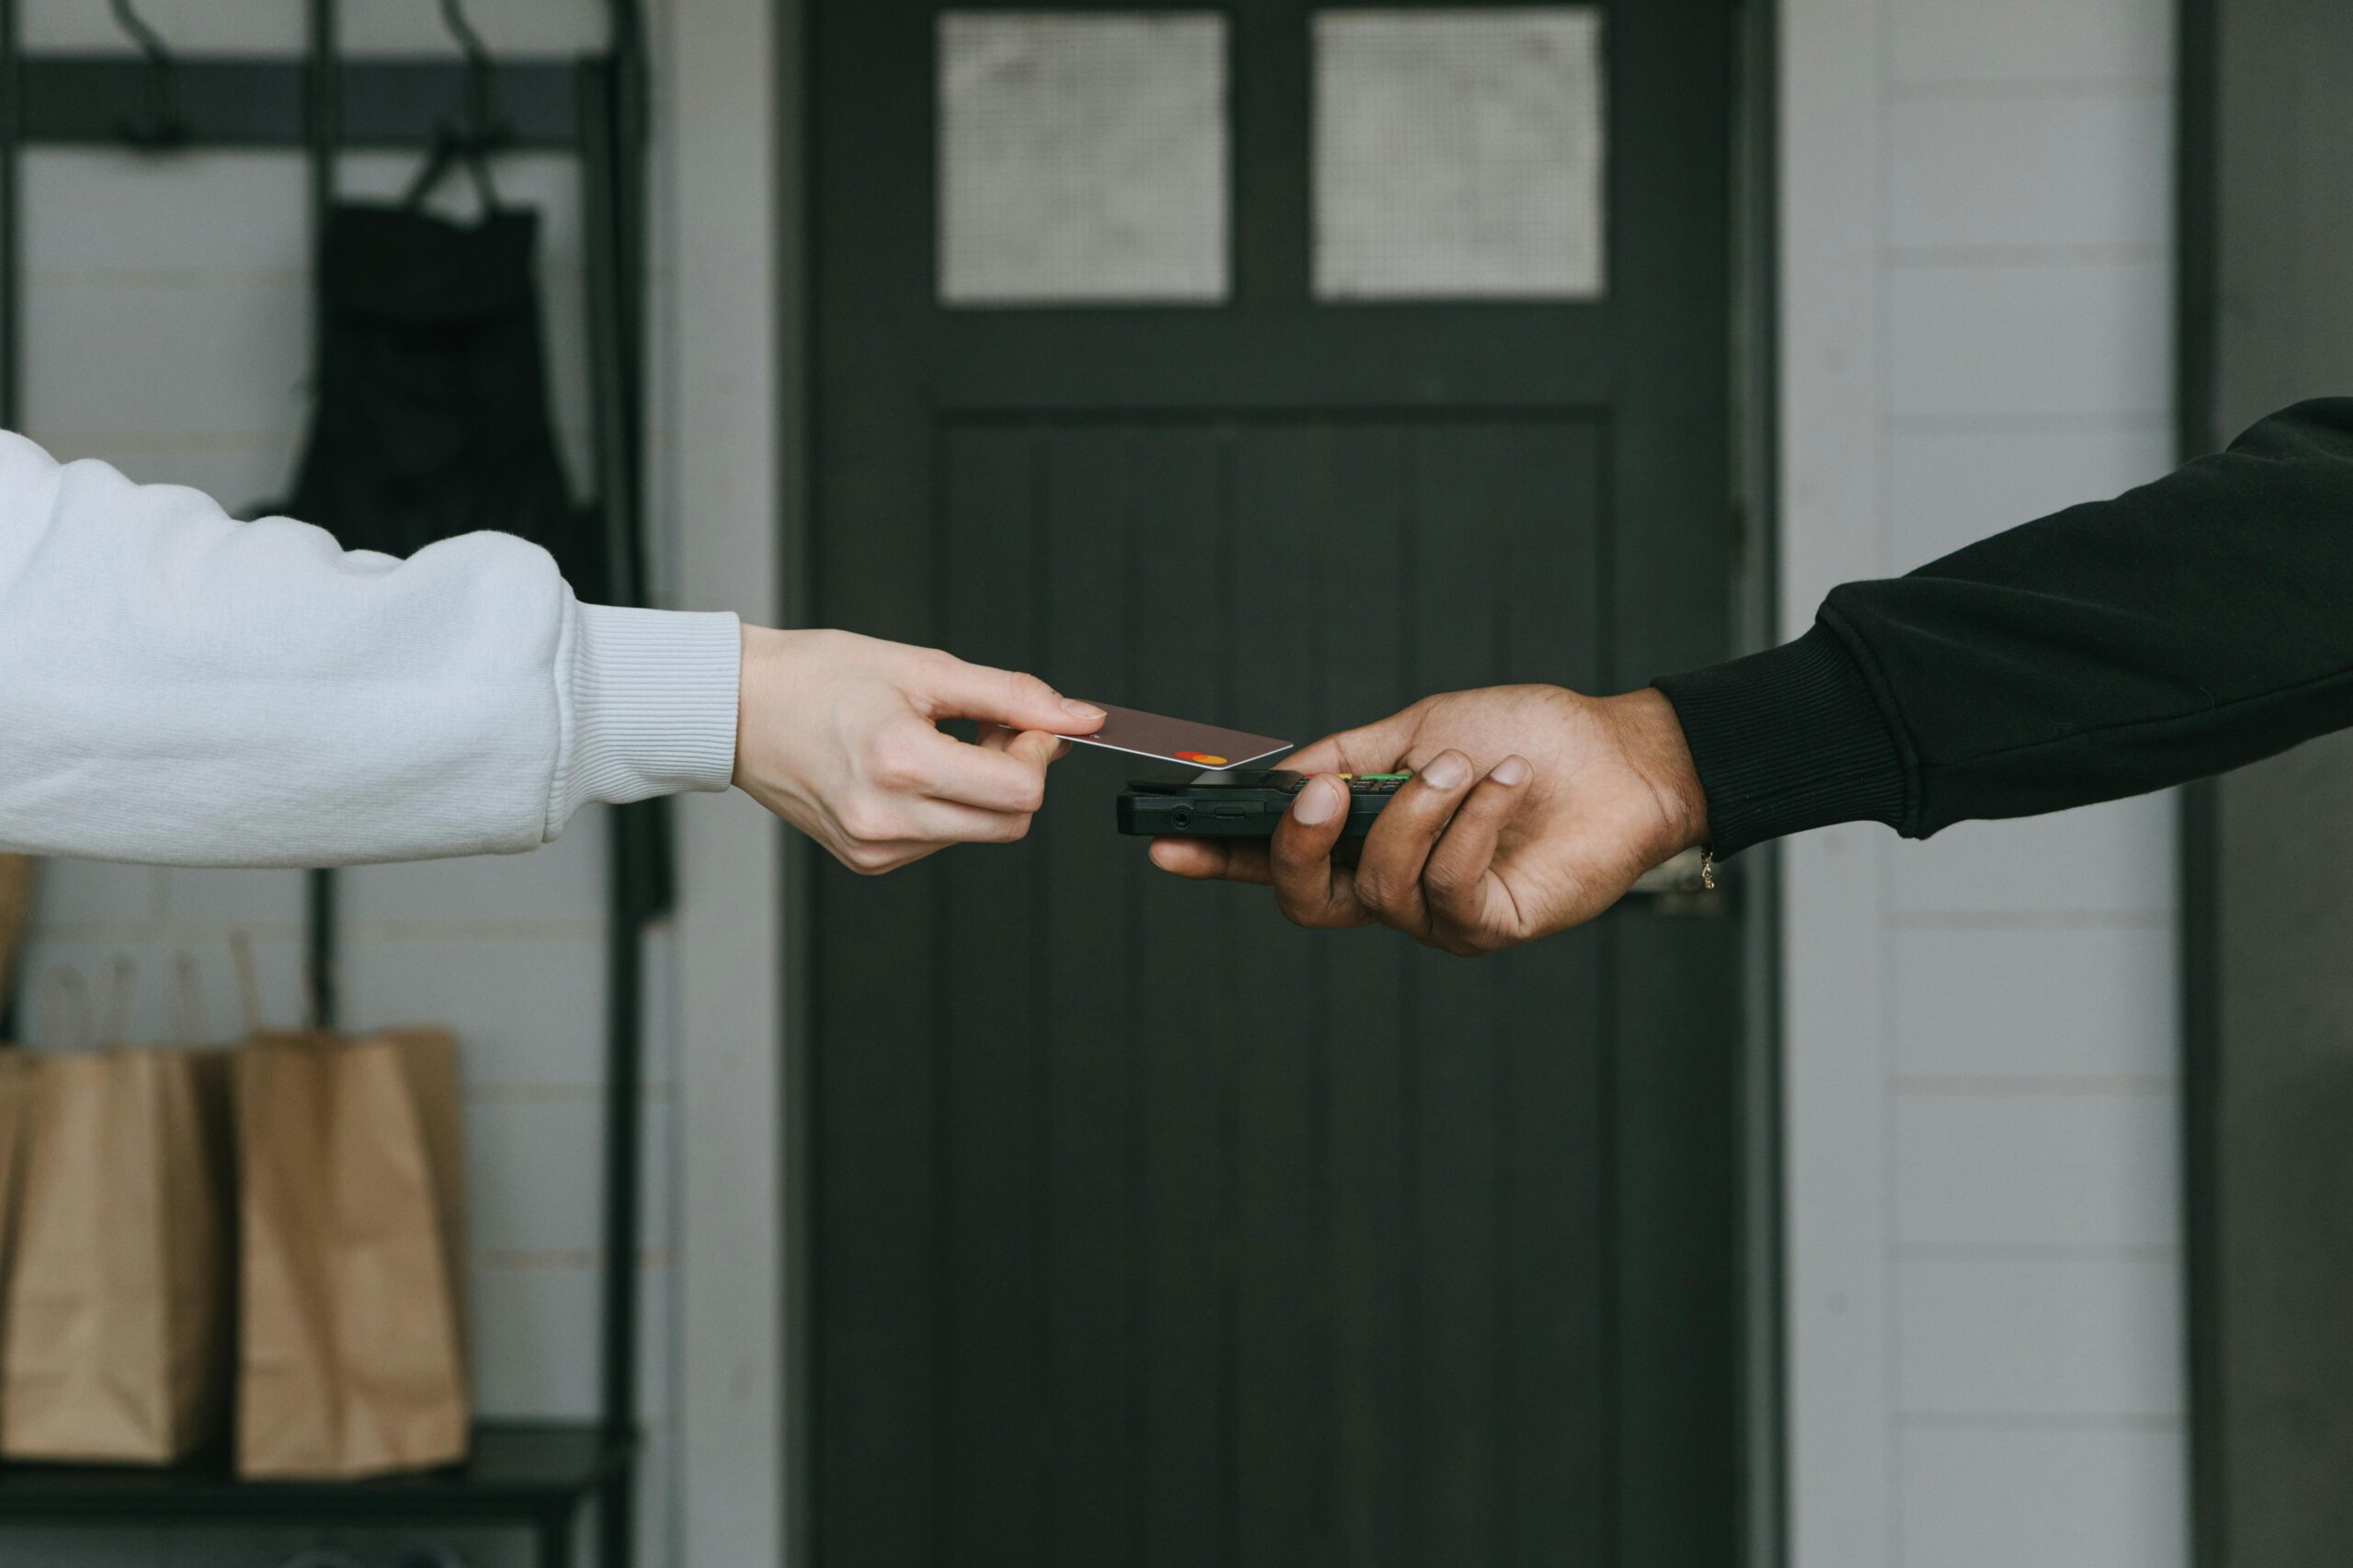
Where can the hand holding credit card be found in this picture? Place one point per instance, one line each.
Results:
(1178, 740)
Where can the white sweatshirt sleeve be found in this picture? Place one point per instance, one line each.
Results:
(176, 687)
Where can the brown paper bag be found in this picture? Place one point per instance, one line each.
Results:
(114, 1340)
(351, 1351)
(15, 906)
(16, 1092)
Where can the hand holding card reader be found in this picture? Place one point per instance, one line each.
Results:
(1240, 804)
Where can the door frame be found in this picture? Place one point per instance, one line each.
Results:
(2253, 1265)
(1756, 437)
(2197, 336)
(1758, 623)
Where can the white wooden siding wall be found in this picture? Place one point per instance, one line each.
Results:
(1985, 1277)
(167, 331)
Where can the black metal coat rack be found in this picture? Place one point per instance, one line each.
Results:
(535, 1476)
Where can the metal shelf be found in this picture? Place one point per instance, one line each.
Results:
(83, 100)
(529, 1475)
(534, 1476)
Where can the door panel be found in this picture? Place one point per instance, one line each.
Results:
(1150, 1230)
(1322, 1141)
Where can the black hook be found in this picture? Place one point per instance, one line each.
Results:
(163, 126)
(485, 126)
(485, 129)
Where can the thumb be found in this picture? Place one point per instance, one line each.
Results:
(1369, 748)
(1037, 749)
(958, 690)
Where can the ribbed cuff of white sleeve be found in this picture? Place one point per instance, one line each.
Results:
(653, 706)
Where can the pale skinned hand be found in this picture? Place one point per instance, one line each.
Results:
(839, 735)
(1532, 809)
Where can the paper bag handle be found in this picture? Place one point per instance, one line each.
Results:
(240, 949)
(187, 1001)
(122, 984)
(63, 994)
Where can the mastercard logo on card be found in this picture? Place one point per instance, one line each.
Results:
(1207, 759)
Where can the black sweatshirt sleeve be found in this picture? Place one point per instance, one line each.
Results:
(2178, 631)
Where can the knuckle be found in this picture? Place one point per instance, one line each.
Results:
(1297, 905)
(865, 823)
(928, 669)
(1014, 829)
(892, 763)
(1295, 911)
(1379, 892)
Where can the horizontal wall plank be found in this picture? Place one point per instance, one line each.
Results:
(2041, 1499)
(2035, 1002)
(2038, 1336)
(2018, 342)
(2076, 1169)
(2055, 171)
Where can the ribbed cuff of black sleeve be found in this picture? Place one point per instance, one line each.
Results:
(1787, 740)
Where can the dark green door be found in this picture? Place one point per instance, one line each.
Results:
(1280, 365)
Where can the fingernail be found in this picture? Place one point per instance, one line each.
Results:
(1316, 803)
(1448, 772)
(1512, 770)
(1085, 711)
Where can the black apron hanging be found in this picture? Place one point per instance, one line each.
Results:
(431, 418)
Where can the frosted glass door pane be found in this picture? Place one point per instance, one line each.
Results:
(1459, 153)
(1082, 158)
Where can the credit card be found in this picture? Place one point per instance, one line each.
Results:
(1178, 740)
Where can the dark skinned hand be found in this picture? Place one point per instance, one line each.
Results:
(1532, 809)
